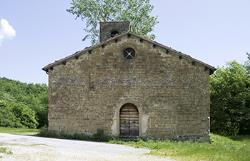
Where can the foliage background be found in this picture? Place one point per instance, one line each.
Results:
(22, 104)
(137, 12)
(230, 100)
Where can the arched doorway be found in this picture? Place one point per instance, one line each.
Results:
(129, 121)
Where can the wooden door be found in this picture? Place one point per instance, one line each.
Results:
(129, 121)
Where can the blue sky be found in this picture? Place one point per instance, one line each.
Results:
(212, 31)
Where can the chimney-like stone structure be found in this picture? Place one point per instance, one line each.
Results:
(111, 29)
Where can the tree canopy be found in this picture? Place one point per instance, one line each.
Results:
(22, 104)
(247, 63)
(230, 98)
(137, 12)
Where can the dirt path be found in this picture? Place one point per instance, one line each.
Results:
(31, 148)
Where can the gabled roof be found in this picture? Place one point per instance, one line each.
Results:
(89, 49)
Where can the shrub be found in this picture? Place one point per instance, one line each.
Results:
(8, 119)
(42, 117)
(26, 115)
(98, 136)
(16, 115)
(44, 132)
(230, 97)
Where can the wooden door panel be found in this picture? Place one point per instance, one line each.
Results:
(129, 121)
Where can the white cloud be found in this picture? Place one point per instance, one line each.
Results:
(6, 30)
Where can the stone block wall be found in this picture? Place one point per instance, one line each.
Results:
(170, 91)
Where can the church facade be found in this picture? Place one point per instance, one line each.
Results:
(129, 86)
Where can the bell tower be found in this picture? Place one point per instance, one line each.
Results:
(111, 29)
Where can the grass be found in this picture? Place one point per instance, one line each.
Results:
(221, 149)
(4, 150)
(20, 131)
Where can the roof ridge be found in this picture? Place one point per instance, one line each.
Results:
(78, 53)
(176, 51)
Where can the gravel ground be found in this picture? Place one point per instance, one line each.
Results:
(31, 148)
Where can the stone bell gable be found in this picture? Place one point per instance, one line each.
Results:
(112, 29)
(129, 86)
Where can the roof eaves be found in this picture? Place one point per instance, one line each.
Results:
(176, 52)
(78, 53)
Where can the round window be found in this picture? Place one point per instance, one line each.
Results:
(129, 53)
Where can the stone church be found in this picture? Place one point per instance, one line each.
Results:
(129, 86)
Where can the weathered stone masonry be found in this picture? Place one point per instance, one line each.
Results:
(169, 89)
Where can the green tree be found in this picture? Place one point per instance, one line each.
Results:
(7, 117)
(247, 63)
(17, 115)
(42, 112)
(21, 96)
(25, 114)
(230, 97)
(137, 12)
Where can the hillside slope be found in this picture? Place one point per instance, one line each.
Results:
(22, 104)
